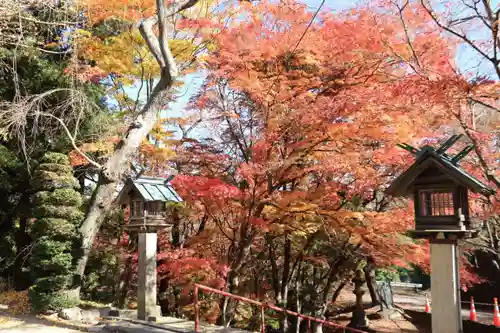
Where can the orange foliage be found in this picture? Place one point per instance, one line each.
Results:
(322, 116)
(130, 10)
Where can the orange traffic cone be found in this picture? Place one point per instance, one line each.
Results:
(427, 305)
(496, 314)
(473, 314)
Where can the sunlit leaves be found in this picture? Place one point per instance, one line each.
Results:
(307, 137)
(126, 54)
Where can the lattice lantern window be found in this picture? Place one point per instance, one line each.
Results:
(436, 203)
(441, 208)
(137, 208)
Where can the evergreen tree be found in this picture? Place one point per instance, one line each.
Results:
(33, 70)
(56, 208)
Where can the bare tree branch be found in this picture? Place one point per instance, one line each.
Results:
(407, 34)
(488, 173)
(68, 51)
(71, 138)
(489, 106)
(163, 38)
(494, 60)
(146, 30)
(15, 116)
(159, 47)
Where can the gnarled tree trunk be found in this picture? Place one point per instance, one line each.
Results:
(117, 165)
(114, 169)
(369, 272)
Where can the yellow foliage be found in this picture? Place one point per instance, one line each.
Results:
(17, 302)
(98, 10)
(128, 54)
(203, 9)
(83, 33)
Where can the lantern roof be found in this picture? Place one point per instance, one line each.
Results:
(430, 157)
(150, 189)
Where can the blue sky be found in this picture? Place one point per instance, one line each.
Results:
(466, 59)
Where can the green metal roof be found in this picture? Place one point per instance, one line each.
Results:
(151, 189)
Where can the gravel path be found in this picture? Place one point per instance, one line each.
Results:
(30, 325)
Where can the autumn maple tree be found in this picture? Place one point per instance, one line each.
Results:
(286, 150)
(306, 127)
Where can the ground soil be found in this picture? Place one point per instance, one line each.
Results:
(33, 324)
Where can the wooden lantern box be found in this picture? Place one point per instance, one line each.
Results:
(439, 189)
(147, 198)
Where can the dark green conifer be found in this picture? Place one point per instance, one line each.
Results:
(56, 208)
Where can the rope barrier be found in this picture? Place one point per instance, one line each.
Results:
(476, 303)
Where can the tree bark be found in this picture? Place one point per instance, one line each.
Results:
(298, 304)
(241, 253)
(229, 305)
(114, 170)
(369, 272)
(283, 297)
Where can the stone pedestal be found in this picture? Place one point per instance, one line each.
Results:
(445, 287)
(387, 309)
(146, 282)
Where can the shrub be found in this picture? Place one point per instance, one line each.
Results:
(57, 229)
(44, 301)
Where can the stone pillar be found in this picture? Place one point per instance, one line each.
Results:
(358, 320)
(146, 281)
(445, 287)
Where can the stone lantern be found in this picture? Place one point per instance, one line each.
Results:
(439, 189)
(147, 198)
